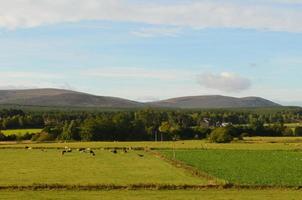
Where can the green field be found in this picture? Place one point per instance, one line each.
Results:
(258, 161)
(257, 143)
(27, 167)
(244, 167)
(154, 195)
(293, 125)
(20, 131)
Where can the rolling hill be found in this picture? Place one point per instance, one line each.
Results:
(67, 98)
(58, 97)
(214, 101)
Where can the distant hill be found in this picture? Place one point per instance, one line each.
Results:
(58, 97)
(67, 98)
(214, 101)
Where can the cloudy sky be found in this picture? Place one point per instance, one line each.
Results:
(147, 50)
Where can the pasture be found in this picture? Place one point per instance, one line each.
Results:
(250, 143)
(210, 194)
(20, 131)
(27, 167)
(40, 171)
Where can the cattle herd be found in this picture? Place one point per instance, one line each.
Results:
(89, 151)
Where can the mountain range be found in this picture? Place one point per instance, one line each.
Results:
(68, 98)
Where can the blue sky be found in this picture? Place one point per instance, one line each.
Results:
(145, 50)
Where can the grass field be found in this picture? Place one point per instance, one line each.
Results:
(293, 125)
(26, 167)
(154, 195)
(243, 167)
(255, 162)
(257, 143)
(20, 131)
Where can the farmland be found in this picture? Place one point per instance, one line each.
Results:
(270, 167)
(20, 131)
(154, 195)
(243, 167)
(27, 167)
(251, 143)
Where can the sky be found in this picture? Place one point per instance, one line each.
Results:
(151, 50)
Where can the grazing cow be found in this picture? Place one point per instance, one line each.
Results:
(114, 151)
(69, 150)
(81, 149)
(92, 153)
(125, 150)
(26, 147)
(140, 155)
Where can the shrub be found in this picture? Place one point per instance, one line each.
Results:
(2, 137)
(42, 137)
(288, 132)
(201, 132)
(221, 135)
(245, 135)
(298, 131)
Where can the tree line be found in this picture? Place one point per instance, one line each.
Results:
(149, 124)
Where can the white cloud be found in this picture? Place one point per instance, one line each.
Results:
(286, 1)
(225, 82)
(138, 73)
(28, 80)
(196, 14)
(29, 75)
(157, 32)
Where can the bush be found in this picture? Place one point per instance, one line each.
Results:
(221, 135)
(42, 137)
(298, 131)
(2, 137)
(201, 132)
(288, 132)
(245, 135)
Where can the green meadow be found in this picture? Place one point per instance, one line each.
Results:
(256, 168)
(28, 167)
(271, 194)
(250, 143)
(20, 131)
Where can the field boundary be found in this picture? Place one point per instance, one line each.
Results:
(192, 170)
(216, 181)
(155, 187)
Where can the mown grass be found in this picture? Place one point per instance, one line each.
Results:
(293, 125)
(20, 131)
(150, 195)
(244, 167)
(257, 143)
(26, 167)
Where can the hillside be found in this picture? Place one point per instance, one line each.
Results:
(58, 97)
(214, 101)
(67, 98)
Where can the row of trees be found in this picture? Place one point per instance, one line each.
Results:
(149, 124)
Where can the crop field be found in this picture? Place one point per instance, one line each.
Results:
(244, 167)
(20, 131)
